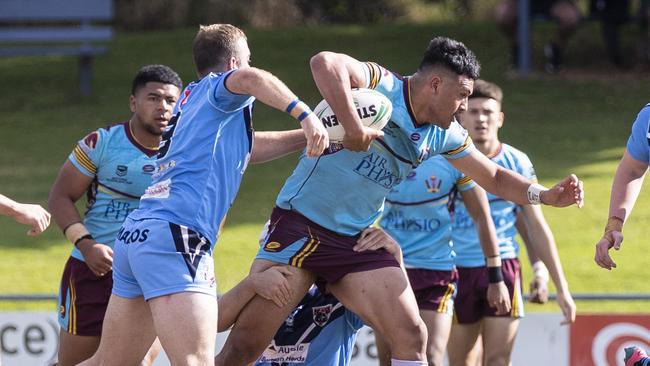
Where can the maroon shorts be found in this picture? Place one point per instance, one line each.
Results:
(295, 240)
(471, 303)
(434, 290)
(83, 298)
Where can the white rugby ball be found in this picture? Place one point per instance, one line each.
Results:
(373, 108)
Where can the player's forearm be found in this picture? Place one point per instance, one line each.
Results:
(232, 302)
(8, 207)
(270, 145)
(264, 86)
(333, 79)
(541, 239)
(627, 184)
(511, 186)
(63, 208)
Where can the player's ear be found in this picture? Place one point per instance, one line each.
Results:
(502, 118)
(132, 103)
(435, 82)
(232, 63)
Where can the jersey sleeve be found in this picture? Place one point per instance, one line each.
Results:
(525, 168)
(87, 154)
(457, 143)
(223, 99)
(638, 145)
(379, 78)
(465, 183)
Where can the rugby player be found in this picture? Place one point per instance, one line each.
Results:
(483, 119)
(327, 202)
(163, 275)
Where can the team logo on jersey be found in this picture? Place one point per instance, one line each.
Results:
(433, 184)
(415, 136)
(62, 311)
(272, 246)
(121, 170)
(148, 169)
(322, 314)
(91, 140)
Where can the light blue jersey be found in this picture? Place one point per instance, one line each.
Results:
(417, 214)
(638, 145)
(343, 190)
(504, 214)
(318, 332)
(202, 158)
(121, 169)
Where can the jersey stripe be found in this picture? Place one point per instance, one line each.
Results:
(465, 145)
(84, 160)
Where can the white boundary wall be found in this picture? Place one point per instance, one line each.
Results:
(30, 338)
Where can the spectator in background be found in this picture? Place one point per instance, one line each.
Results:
(612, 15)
(564, 12)
(32, 215)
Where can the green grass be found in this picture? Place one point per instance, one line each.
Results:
(575, 122)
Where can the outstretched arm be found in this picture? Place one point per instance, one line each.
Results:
(478, 208)
(270, 145)
(514, 187)
(625, 190)
(539, 283)
(271, 91)
(28, 214)
(335, 74)
(542, 241)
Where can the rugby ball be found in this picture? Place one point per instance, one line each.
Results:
(373, 108)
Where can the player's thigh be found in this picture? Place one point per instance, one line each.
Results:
(127, 333)
(74, 348)
(382, 298)
(462, 339)
(438, 328)
(498, 339)
(259, 320)
(186, 324)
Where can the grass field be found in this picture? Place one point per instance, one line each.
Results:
(574, 122)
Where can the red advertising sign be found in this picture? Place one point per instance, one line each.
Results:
(599, 340)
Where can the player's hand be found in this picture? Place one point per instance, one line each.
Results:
(272, 284)
(614, 239)
(539, 290)
(568, 307)
(33, 215)
(98, 257)
(567, 192)
(360, 140)
(317, 138)
(374, 238)
(497, 296)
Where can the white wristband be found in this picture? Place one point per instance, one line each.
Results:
(539, 270)
(534, 193)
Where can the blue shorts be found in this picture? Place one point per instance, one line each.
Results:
(155, 257)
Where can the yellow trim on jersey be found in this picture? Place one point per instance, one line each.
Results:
(465, 145)
(374, 73)
(84, 160)
(463, 181)
(442, 308)
(154, 148)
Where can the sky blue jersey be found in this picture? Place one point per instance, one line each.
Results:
(638, 145)
(343, 190)
(202, 157)
(121, 169)
(504, 214)
(417, 214)
(318, 332)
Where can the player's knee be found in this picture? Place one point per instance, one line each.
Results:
(245, 348)
(411, 337)
(497, 360)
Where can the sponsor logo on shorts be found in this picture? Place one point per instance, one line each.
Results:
(321, 314)
(291, 353)
(158, 190)
(272, 246)
(121, 170)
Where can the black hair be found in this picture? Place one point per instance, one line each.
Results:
(451, 54)
(156, 73)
